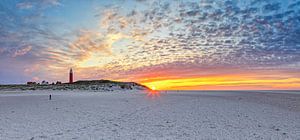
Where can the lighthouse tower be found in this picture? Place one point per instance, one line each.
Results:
(71, 76)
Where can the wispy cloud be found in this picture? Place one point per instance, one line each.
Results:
(22, 51)
(25, 5)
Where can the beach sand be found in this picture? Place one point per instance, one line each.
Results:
(142, 115)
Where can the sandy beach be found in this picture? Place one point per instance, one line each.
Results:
(140, 115)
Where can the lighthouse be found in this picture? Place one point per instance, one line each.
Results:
(71, 76)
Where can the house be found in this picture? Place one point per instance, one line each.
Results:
(45, 83)
(31, 83)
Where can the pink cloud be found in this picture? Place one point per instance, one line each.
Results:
(35, 79)
(2, 50)
(22, 51)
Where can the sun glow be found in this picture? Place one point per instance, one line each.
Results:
(92, 61)
(235, 82)
(153, 88)
(153, 94)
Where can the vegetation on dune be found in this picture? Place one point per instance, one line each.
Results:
(96, 85)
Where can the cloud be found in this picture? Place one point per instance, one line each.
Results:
(52, 2)
(256, 34)
(25, 37)
(40, 5)
(36, 79)
(272, 7)
(1, 50)
(22, 51)
(221, 34)
(25, 5)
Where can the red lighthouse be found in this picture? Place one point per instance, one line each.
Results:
(71, 76)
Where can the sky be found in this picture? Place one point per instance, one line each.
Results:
(164, 44)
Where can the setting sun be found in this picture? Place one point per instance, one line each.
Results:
(153, 88)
